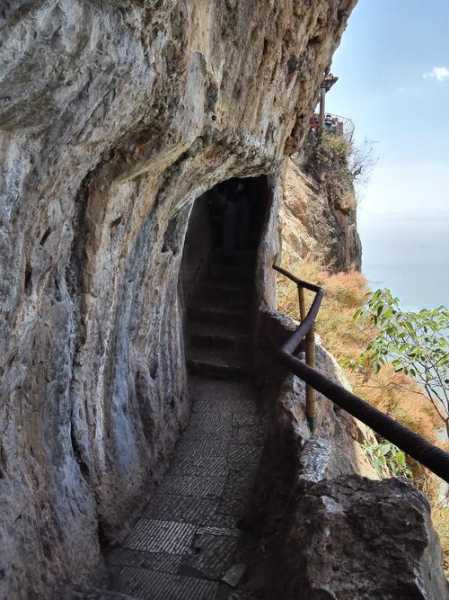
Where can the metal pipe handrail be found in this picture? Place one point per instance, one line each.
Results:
(306, 325)
(430, 456)
(305, 284)
(305, 332)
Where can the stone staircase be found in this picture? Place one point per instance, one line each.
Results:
(219, 320)
(187, 544)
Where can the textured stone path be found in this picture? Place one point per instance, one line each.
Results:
(187, 538)
(187, 544)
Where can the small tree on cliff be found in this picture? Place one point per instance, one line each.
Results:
(338, 162)
(415, 343)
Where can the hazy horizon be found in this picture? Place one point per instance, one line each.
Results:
(393, 69)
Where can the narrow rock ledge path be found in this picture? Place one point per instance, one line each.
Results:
(187, 543)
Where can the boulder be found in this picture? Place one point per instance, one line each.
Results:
(352, 538)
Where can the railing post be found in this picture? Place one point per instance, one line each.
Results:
(310, 361)
(310, 392)
(302, 303)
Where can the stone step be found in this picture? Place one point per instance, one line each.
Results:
(96, 594)
(218, 335)
(228, 316)
(222, 295)
(217, 329)
(218, 363)
(239, 257)
(227, 287)
(231, 273)
(234, 289)
(154, 585)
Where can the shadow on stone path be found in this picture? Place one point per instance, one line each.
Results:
(187, 541)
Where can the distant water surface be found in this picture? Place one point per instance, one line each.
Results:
(409, 256)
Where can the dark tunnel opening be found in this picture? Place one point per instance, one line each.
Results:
(218, 275)
(225, 227)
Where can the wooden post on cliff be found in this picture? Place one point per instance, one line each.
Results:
(322, 106)
(310, 361)
(328, 81)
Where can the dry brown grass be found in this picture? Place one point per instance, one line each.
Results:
(440, 518)
(394, 393)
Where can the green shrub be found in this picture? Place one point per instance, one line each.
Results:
(387, 459)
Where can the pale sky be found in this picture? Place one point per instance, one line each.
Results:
(393, 65)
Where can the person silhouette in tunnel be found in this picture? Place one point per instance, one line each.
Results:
(244, 217)
(236, 220)
(230, 216)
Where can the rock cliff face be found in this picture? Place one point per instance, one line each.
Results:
(365, 539)
(318, 225)
(114, 117)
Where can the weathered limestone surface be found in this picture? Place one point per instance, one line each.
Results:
(360, 539)
(316, 225)
(114, 116)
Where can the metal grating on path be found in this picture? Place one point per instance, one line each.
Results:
(154, 561)
(213, 555)
(181, 508)
(200, 465)
(153, 585)
(189, 485)
(187, 538)
(206, 446)
(161, 536)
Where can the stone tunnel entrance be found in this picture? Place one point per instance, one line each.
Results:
(218, 273)
(225, 223)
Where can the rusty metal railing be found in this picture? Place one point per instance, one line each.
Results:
(430, 456)
(304, 337)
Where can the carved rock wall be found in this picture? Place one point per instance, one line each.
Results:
(114, 117)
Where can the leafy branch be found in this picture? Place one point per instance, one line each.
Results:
(414, 343)
(387, 459)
